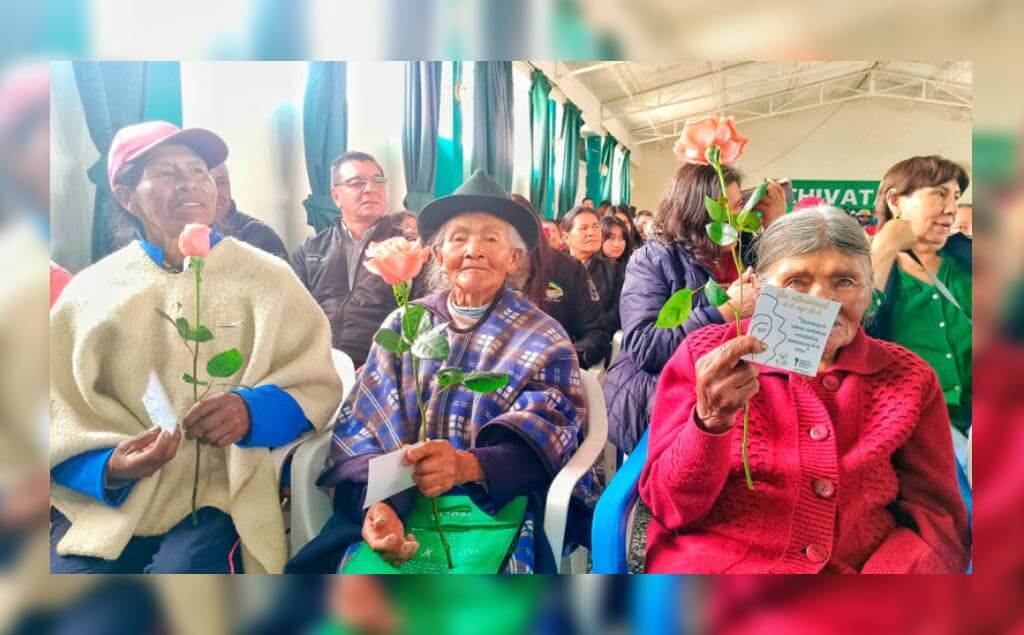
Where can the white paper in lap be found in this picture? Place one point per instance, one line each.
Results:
(795, 326)
(158, 404)
(387, 477)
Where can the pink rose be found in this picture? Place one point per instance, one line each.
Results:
(396, 259)
(194, 240)
(700, 135)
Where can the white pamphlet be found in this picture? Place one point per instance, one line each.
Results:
(795, 326)
(387, 477)
(158, 404)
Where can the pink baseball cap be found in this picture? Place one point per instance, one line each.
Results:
(131, 142)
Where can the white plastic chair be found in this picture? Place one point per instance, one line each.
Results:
(311, 507)
(556, 511)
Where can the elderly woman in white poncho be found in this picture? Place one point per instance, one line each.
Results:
(122, 495)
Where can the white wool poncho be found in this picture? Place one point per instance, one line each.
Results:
(105, 336)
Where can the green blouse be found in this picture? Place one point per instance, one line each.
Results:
(926, 322)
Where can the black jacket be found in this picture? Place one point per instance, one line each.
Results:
(570, 299)
(608, 276)
(247, 229)
(355, 314)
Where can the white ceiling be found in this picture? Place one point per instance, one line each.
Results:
(652, 100)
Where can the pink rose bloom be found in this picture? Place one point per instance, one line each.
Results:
(194, 240)
(396, 259)
(700, 135)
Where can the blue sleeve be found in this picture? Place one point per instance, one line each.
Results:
(276, 418)
(86, 473)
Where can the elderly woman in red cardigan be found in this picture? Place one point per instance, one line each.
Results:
(853, 468)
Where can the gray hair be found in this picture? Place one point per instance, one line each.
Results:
(437, 277)
(810, 231)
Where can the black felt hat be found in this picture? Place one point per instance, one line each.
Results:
(480, 193)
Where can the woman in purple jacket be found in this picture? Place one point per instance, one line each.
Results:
(679, 255)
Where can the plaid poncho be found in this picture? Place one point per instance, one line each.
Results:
(542, 404)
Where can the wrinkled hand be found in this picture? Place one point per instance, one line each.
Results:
(383, 531)
(142, 455)
(896, 234)
(773, 204)
(728, 310)
(725, 382)
(219, 420)
(440, 467)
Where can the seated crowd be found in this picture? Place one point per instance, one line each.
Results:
(856, 467)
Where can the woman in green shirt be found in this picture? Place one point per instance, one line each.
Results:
(918, 199)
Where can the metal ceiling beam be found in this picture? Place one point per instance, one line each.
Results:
(748, 110)
(640, 108)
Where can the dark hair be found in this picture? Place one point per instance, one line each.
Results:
(682, 215)
(537, 280)
(607, 223)
(914, 173)
(586, 198)
(571, 215)
(630, 215)
(129, 175)
(605, 202)
(351, 155)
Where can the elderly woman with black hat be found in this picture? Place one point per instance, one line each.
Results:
(491, 456)
(131, 497)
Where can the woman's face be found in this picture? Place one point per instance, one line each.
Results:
(930, 211)
(615, 245)
(176, 189)
(735, 195)
(553, 234)
(477, 254)
(584, 237)
(831, 274)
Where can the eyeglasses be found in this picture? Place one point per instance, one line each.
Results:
(360, 182)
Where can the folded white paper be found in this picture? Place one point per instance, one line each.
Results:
(795, 326)
(387, 477)
(158, 404)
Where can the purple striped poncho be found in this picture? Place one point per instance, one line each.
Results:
(542, 404)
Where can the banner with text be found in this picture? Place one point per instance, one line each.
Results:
(847, 194)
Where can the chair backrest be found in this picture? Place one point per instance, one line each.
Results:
(346, 372)
(596, 420)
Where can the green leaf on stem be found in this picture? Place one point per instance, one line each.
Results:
(675, 310)
(189, 379)
(412, 320)
(721, 233)
(199, 334)
(184, 330)
(717, 209)
(756, 196)
(390, 341)
(451, 376)
(224, 364)
(480, 381)
(713, 154)
(716, 295)
(748, 221)
(432, 344)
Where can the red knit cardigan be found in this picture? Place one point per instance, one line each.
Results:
(853, 470)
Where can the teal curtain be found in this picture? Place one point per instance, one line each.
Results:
(593, 149)
(419, 131)
(492, 120)
(114, 95)
(324, 136)
(450, 151)
(549, 197)
(540, 140)
(572, 121)
(607, 167)
(624, 187)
